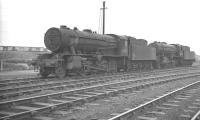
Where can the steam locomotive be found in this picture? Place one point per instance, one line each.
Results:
(86, 52)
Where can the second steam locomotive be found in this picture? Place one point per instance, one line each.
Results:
(86, 52)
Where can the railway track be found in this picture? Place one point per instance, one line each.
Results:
(35, 106)
(181, 104)
(25, 81)
(8, 92)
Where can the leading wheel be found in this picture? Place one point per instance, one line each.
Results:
(60, 72)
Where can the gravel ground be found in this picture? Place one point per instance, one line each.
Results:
(18, 74)
(109, 107)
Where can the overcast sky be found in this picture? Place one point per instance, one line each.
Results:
(24, 22)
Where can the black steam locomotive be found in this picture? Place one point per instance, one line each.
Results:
(86, 52)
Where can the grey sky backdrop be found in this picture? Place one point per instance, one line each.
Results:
(24, 22)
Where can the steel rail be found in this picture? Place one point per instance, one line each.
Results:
(196, 116)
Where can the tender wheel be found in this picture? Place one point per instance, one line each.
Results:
(60, 72)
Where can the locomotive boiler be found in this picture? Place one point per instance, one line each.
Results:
(64, 39)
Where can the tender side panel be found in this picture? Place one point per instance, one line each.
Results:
(142, 53)
(189, 55)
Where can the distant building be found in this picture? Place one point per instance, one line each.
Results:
(18, 54)
(25, 49)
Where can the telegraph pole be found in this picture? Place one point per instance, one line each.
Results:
(104, 4)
